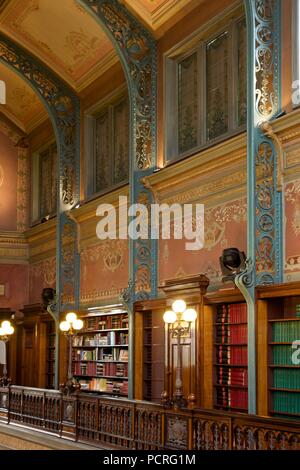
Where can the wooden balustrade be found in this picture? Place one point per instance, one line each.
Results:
(127, 424)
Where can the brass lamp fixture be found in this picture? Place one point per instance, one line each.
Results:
(179, 321)
(70, 326)
(6, 330)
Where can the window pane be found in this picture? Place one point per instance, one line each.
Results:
(48, 181)
(187, 103)
(241, 74)
(217, 86)
(121, 141)
(103, 176)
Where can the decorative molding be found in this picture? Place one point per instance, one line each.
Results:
(137, 51)
(13, 248)
(90, 298)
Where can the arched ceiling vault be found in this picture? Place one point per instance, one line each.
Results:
(63, 35)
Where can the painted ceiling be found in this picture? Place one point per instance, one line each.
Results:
(23, 107)
(69, 40)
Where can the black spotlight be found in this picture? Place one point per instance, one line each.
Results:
(232, 262)
(48, 296)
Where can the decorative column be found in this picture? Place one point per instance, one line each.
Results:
(63, 108)
(137, 52)
(265, 201)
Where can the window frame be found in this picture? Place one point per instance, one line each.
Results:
(90, 117)
(35, 213)
(197, 42)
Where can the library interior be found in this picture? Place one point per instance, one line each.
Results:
(117, 330)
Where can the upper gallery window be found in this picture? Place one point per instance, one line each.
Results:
(108, 157)
(44, 183)
(296, 53)
(206, 94)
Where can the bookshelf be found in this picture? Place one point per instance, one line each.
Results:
(50, 353)
(278, 327)
(100, 352)
(284, 375)
(153, 355)
(230, 359)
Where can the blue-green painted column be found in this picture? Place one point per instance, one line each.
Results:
(62, 105)
(137, 52)
(264, 195)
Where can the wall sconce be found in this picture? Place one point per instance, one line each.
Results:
(6, 330)
(70, 326)
(232, 262)
(179, 321)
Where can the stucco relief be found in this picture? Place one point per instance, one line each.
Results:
(292, 195)
(80, 44)
(216, 219)
(292, 231)
(44, 270)
(110, 252)
(225, 225)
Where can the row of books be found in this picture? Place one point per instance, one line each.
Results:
(233, 334)
(286, 331)
(286, 402)
(110, 339)
(51, 341)
(99, 369)
(236, 355)
(287, 378)
(106, 322)
(232, 376)
(230, 398)
(101, 354)
(232, 313)
(282, 354)
(105, 385)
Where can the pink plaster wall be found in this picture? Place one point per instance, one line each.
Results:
(41, 275)
(225, 226)
(15, 279)
(292, 231)
(104, 270)
(8, 183)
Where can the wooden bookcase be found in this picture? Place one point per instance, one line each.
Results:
(149, 352)
(100, 352)
(280, 324)
(155, 355)
(228, 374)
(50, 353)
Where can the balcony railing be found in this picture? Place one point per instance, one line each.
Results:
(125, 424)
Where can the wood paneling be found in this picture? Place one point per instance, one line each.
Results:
(262, 358)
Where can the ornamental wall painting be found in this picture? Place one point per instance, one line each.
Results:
(104, 270)
(292, 231)
(225, 226)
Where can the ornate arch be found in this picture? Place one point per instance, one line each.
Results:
(63, 107)
(137, 52)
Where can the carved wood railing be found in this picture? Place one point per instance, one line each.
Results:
(127, 424)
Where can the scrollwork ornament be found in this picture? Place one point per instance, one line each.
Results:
(245, 279)
(127, 294)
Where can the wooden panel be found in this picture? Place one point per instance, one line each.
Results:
(208, 316)
(28, 360)
(41, 337)
(262, 358)
(138, 355)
